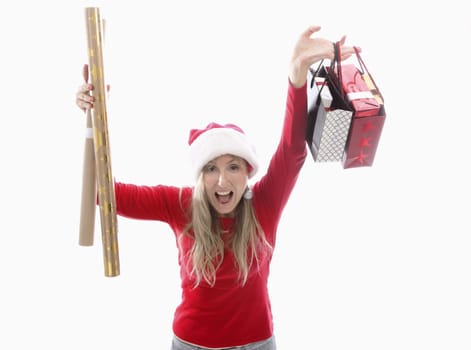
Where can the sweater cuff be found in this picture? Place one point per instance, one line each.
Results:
(296, 88)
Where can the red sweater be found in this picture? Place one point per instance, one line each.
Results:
(227, 314)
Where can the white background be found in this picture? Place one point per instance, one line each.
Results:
(366, 258)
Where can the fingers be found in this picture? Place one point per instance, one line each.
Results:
(85, 72)
(311, 30)
(85, 88)
(347, 51)
(83, 99)
(84, 102)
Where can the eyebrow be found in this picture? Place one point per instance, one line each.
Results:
(236, 159)
(232, 159)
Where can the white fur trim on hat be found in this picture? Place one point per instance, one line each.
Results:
(220, 141)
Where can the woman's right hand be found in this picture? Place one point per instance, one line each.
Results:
(83, 99)
(309, 49)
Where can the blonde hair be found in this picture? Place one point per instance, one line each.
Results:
(207, 253)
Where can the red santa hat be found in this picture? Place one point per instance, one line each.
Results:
(216, 140)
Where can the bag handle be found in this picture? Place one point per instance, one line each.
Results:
(337, 60)
(333, 78)
(332, 64)
(364, 69)
(314, 73)
(334, 85)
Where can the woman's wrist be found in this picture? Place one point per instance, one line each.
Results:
(297, 76)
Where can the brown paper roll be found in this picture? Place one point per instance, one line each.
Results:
(88, 205)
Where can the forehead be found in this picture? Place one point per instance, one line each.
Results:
(226, 158)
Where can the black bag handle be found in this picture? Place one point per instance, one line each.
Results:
(334, 77)
(336, 67)
(335, 85)
(335, 60)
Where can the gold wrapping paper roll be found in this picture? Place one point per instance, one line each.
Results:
(88, 204)
(105, 184)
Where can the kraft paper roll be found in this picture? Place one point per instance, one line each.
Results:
(88, 205)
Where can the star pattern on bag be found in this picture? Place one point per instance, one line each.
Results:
(361, 157)
(365, 142)
(368, 126)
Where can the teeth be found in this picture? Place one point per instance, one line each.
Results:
(223, 193)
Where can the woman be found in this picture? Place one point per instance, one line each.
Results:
(226, 230)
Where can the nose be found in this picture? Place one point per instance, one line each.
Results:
(221, 179)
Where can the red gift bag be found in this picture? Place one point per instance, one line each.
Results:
(368, 115)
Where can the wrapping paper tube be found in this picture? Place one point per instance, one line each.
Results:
(88, 205)
(105, 184)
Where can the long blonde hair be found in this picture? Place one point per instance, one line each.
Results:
(207, 253)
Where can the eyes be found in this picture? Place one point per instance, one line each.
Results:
(232, 167)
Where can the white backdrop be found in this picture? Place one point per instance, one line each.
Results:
(370, 258)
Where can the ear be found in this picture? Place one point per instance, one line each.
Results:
(248, 194)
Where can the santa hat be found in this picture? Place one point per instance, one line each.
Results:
(216, 140)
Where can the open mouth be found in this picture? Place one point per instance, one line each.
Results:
(224, 197)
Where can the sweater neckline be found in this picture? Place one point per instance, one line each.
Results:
(227, 224)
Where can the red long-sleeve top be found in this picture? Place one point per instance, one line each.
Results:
(227, 314)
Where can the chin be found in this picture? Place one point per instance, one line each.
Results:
(226, 209)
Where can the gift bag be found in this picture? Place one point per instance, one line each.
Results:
(368, 115)
(329, 111)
